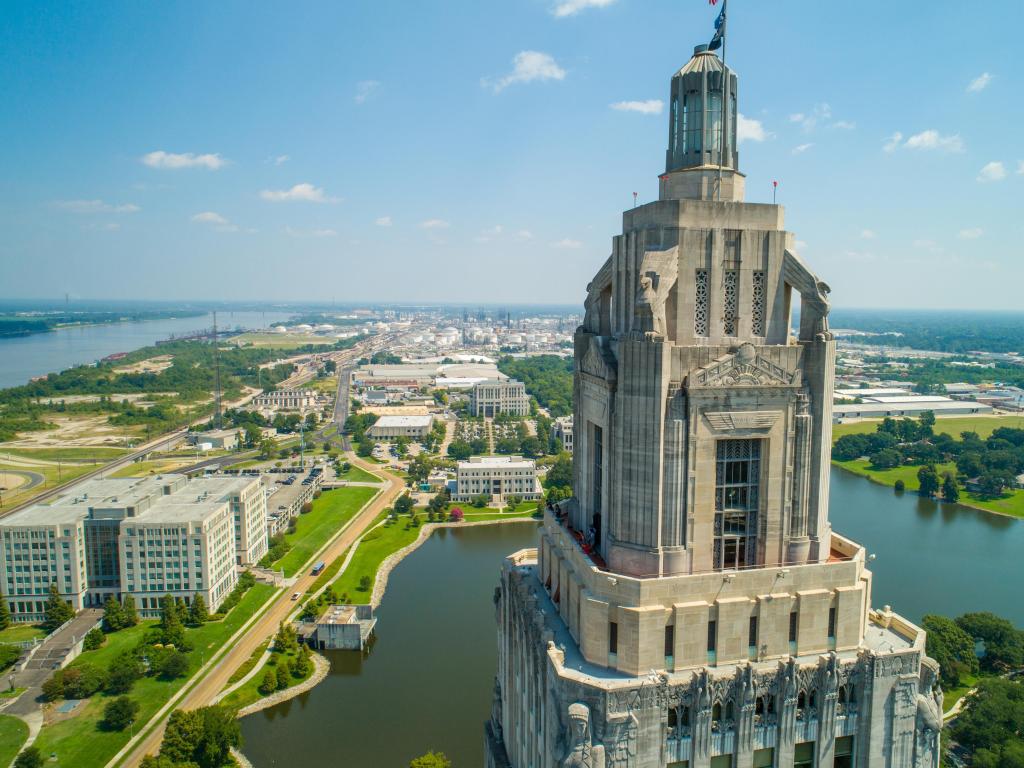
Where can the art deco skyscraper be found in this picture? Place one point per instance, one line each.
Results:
(691, 606)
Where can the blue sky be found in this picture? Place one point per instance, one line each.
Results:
(484, 151)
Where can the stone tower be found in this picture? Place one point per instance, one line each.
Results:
(691, 606)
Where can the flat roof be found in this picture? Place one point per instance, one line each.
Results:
(496, 462)
(415, 420)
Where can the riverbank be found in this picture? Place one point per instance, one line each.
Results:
(1010, 504)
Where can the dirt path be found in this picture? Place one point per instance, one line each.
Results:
(206, 690)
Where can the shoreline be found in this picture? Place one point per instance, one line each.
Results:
(961, 503)
(321, 667)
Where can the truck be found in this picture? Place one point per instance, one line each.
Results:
(318, 568)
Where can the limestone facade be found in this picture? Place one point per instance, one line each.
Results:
(691, 606)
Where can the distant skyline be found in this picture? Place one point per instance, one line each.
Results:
(458, 152)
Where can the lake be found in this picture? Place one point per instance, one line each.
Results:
(23, 357)
(426, 683)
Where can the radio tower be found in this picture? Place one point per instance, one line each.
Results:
(216, 377)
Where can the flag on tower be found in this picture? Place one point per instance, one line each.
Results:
(719, 38)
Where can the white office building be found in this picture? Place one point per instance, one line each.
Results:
(146, 537)
(561, 430)
(498, 477)
(489, 398)
(416, 427)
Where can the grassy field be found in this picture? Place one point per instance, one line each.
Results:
(19, 633)
(950, 695)
(357, 475)
(13, 733)
(950, 425)
(889, 477)
(155, 467)
(79, 741)
(247, 667)
(53, 475)
(249, 693)
(280, 340)
(330, 512)
(100, 453)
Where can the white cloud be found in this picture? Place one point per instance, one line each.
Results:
(748, 129)
(994, 171)
(971, 234)
(279, 159)
(801, 148)
(383, 221)
(809, 121)
(572, 7)
(310, 232)
(649, 107)
(96, 206)
(867, 234)
(844, 125)
(567, 243)
(527, 67)
(173, 161)
(932, 139)
(524, 234)
(215, 220)
(980, 83)
(434, 224)
(364, 90)
(305, 192)
(893, 142)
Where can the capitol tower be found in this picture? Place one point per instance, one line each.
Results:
(692, 607)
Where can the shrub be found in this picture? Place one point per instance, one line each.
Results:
(30, 757)
(365, 582)
(123, 672)
(480, 501)
(173, 664)
(94, 639)
(83, 680)
(53, 688)
(456, 515)
(8, 654)
(307, 508)
(284, 671)
(900, 486)
(269, 683)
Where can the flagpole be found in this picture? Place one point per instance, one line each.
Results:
(725, 97)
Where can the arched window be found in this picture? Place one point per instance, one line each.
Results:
(716, 714)
(729, 712)
(842, 694)
(801, 700)
(684, 716)
(673, 717)
(759, 706)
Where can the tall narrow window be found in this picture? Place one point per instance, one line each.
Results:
(613, 637)
(670, 642)
(737, 498)
(752, 636)
(730, 301)
(757, 304)
(712, 636)
(832, 624)
(700, 306)
(597, 481)
(793, 619)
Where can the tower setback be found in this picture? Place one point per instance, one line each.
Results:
(691, 606)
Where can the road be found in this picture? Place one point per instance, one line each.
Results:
(282, 607)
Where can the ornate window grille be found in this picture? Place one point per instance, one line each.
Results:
(700, 311)
(730, 296)
(757, 304)
(737, 486)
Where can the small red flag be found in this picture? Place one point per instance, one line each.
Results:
(775, 183)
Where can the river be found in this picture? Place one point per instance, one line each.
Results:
(426, 684)
(40, 353)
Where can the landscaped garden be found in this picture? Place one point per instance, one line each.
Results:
(288, 665)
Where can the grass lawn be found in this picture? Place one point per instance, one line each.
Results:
(99, 453)
(951, 425)
(52, 474)
(19, 633)
(250, 693)
(330, 512)
(950, 695)
(357, 475)
(1010, 503)
(908, 474)
(247, 667)
(280, 340)
(13, 733)
(371, 552)
(80, 742)
(12, 693)
(155, 467)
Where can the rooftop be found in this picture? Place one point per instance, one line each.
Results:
(419, 420)
(503, 462)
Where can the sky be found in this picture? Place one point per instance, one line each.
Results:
(483, 152)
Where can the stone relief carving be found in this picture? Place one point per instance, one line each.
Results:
(728, 421)
(744, 368)
(581, 752)
(592, 304)
(814, 301)
(658, 273)
(596, 360)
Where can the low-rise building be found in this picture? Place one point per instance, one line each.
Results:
(341, 627)
(489, 398)
(143, 537)
(498, 477)
(561, 430)
(389, 427)
(300, 400)
(215, 439)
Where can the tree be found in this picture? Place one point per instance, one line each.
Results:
(887, 458)
(951, 647)
(30, 757)
(113, 615)
(990, 485)
(53, 688)
(197, 613)
(459, 450)
(269, 683)
(404, 504)
(252, 435)
(58, 610)
(456, 515)
(402, 445)
(268, 447)
(83, 680)
(5, 613)
(202, 737)
(284, 671)
(849, 447)
(171, 626)
(124, 670)
(303, 662)
(560, 474)
(1004, 643)
(182, 735)
(173, 664)
(480, 500)
(365, 582)
(431, 760)
(899, 486)
(286, 639)
(929, 480)
(93, 639)
(119, 713)
(950, 489)
(992, 723)
(131, 616)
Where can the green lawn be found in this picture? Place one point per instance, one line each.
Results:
(330, 512)
(951, 425)
(249, 693)
(99, 453)
(375, 546)
(950, 695)
(357, 475)
(908, 474)
(251, 662)
(13, 733)
(19, 633)
(52, 474)
(80, 742)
